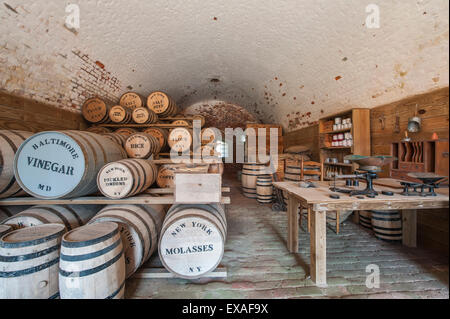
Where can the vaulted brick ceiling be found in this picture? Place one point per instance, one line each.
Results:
(288, 62)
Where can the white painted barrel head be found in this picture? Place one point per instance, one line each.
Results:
(115, 180)
(49, 164)
(191, 246)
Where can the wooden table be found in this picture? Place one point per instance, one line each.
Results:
(317, 201)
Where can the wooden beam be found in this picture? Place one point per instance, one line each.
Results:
(292, 209)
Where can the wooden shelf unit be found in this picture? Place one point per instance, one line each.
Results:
(360, 131)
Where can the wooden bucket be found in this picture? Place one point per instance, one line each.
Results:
(92, 263)
(120, 114)
(126, 177)
(292, 171)
(63, 164)
(5, 229)
(143, 115)
(125, 131)
(141, 145)
(192, 239)
(180, 139)
(161, 134)
(139, 229)
(264, 189)
(387, 224)
(71, 216)
(365, 219)
(116, 138)
(162, 104)
(131, 100)
(250, 173)
(10, 140)
(95, 110)
(29, 262)
(8, 211)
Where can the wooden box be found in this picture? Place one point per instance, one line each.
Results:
(197, 188)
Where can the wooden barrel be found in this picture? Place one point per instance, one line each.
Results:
(95, 110)
(250, 173)
(141, 145)
(192, 239)
(63, 164)
(92, 264)
(181, 122)
(387, 224)
(10, 140)
(8, 211)
(139, 227)
(125, 131)
(120, 114)
(200, 118)
(365, 219)
(98, 129)
(116, 138)
(161, 134)
(143, 115)
(180, 139)
(5, 229)
(29, 262)
(71, 216)
(210, 135)
(162, 104)
(166, 176)
(264, 189)
(131, 100)
(292, 171)
(343, 215)
(126, 177)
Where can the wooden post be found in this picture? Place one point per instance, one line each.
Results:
(318, 268)
(409, 227)
(292, 210)
(338, 214)
(309, 219)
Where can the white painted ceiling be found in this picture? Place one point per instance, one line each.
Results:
(287, 62)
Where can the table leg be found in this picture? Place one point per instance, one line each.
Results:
(318, 236)
(338, 215)
(409, 225)
(309, 219)
(292, 210)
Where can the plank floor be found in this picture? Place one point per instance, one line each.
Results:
(259, 265)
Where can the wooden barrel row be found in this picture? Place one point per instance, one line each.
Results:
(10, 141)
(71, 216)
(192, 239)
(139, 229)
(264, 189)
(126, 177)
(92, 263)
(116, 138)
(250, 173)
(29, 260)
(63, 164)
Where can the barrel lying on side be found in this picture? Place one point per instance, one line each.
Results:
(180, 139)
(63, 164)
(143, 115)
(162, 104)
(387, 224)
(71, 216)
(161, 134)
(126, 177)
(8, 211)
(192, 239)
(92, 264)
(125, 131)
(131, 100)
(139, 227)
(29, 262)
(116, 138)
(120, 114)
(142, 145)
(95, 110)
(10, 140)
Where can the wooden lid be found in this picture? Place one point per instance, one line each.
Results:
(139, 145)
(140, 115)
(34, 235)
(115, 180)
(94, 110)
(158, 102)
(166, 176)
(180, 139)
(131, 100)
